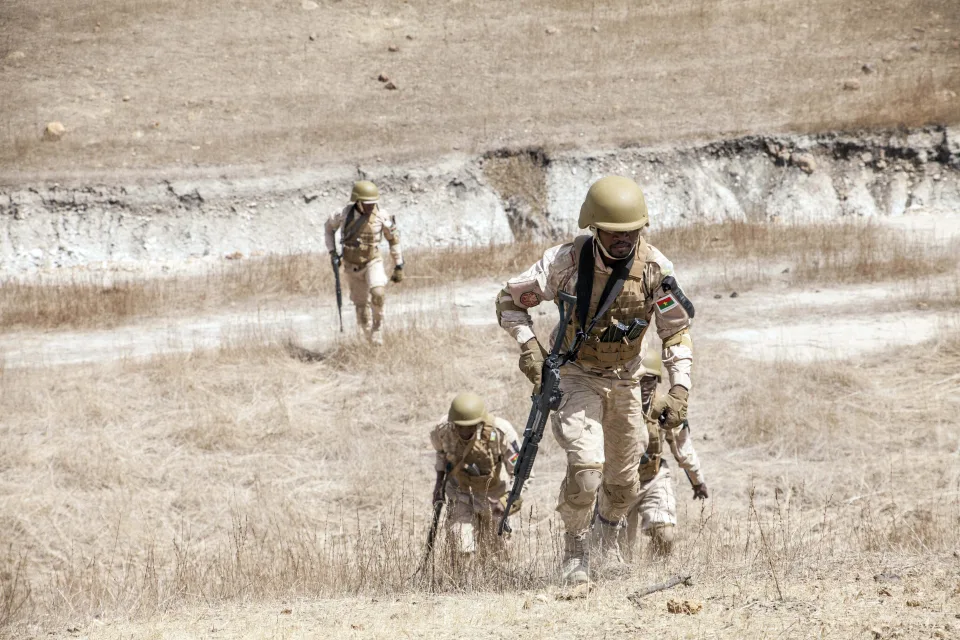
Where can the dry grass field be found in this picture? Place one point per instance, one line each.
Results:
(245, 493)
(176, 85)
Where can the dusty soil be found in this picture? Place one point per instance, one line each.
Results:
(239, 86)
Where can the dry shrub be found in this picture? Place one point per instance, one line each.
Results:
(841, 251)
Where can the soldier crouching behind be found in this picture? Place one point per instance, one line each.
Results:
(655, 512)
(476, 453)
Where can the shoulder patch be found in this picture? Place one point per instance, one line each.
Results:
(529, 299)
(666, 302)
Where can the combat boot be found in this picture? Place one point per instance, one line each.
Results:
(575, 568)
(376, 336)
(610, 561)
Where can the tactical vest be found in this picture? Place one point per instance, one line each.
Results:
(478, 470)
(650, 461)
(597, 350)
(360, 237)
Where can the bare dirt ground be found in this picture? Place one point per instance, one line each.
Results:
(227, 87)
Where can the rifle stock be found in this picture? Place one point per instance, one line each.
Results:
(336, 278)
(547, 400)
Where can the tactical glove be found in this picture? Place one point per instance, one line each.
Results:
(514, 508)
(397, 273)
(532, 356)
(335, 260)
(700, 491)
(671, 409)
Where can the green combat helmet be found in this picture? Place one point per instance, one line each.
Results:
(652, 365)
(467, 410)
(364, 191)
(614, 203)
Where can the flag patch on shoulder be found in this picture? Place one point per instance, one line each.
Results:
(513, 458)
(666, 302)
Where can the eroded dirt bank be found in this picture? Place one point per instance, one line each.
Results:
(480, 200)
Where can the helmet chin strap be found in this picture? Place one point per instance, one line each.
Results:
(603, 249)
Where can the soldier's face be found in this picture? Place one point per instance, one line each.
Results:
(465, 433)
(366, 207)
(618, 244)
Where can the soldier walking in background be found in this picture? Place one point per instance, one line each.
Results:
(363, 226)
(655, 512)
(475, 456)
(620, 283)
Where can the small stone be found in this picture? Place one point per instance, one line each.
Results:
(787, 270)
(552, 31)
(804, 161)
(922, 306)
(313, 37)
(881, 164)
(595, 29)
(16, 55)
(54, 131)
(851, 85)
(867, 157)
(308, 5)
(915, 46)
(383, 77)
(914, 603)
(390, 86)
(393, 48)
(887, 57)
(734, 295)
(717, 296)
(409, 37)
(868, 68)
(126, 98)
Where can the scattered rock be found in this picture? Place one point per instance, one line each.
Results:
(887, 57)
(393, 48)
(552, 31)
(236, 255)
(409, 37)
(914, 603)
(717, 296)
(804, 161)
(16, 55)
(787, 270)
(54, 131)
(126, 98)
(851, 85)
(383, 77)
(915, 46)
(734, 295)
(689, 607)
(887, 577)
(312, 37)
(883, 591)
(595, 29)
(866, 157)
(308, 5)
(286, 612)
(868, 68)
(391, 86)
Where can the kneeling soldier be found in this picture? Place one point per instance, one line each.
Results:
(475, 456)
(655, 512)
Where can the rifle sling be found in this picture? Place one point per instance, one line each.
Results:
(350, 231)
(585, 291)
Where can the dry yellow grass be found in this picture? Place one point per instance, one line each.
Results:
(246, 475)
(731, 253)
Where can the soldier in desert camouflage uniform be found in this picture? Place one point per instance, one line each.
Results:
(475, 456)
(655, 512)
(600, 422)
(363, 226)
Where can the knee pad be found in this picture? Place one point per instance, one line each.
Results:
(377, 296)
(581, 484)
(621, 496)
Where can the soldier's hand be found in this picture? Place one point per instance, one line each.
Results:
(532, 356)
(397, 273)
(438, 493)
(514, 508)
(670, 409)
(335, 259)
(700, 491)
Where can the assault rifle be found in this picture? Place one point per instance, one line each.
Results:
(547, 400)
(335, 261)
(435, 524)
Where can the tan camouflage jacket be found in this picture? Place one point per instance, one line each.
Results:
(557, 271)
(361, 238)
(487, 468)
